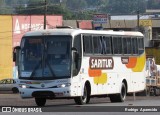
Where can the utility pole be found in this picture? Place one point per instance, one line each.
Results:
(138, 20)
(45, 12)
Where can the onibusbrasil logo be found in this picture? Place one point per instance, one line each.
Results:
(21, 109)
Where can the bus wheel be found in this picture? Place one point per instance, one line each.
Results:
(83, 99)
(121, 96)
(40, 101)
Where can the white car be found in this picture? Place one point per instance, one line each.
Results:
(9, 85)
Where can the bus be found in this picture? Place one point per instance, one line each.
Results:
(80, 64)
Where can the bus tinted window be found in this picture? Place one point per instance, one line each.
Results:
(117, 45)
(127, 46)
(101, 45)
(134, 46)
(108, 46)
(124, 45)
(87, 42)
(140, 45)
(97, 45)
(77, 44)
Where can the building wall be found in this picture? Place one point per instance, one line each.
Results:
(5, 46)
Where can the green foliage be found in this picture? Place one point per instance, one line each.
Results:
(77, 9)
(4, 8)
(153, 4)
(125, 6)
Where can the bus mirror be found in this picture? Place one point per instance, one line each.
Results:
(15, 53)
(75, 61)
(74, 49)
(75, 54)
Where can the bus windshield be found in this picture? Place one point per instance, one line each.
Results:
(45, 57)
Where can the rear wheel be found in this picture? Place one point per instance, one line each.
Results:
(121, 96)
(83, 99)
(40, 101)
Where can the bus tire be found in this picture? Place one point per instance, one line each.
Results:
(40, 101)
(83, 99)
(119, 97)
(15, 90)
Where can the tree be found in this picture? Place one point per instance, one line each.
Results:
(153, 4)
(37, 7)
(125, 6)
(76, 4)
(4, 8)
(33, 7)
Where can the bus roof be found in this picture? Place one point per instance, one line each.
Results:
(80, 31)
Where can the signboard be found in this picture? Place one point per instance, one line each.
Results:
(100, 18)
(23, 24)
(145, 22)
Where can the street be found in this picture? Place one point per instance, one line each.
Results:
(101, 106)
(15, 100)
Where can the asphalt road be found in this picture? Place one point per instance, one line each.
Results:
(9, 99)
(97, 106)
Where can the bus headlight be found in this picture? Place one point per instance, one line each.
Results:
(23, 86)
(64, 85)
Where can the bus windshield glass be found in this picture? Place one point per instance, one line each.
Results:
(45, 57)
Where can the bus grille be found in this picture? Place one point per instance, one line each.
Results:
(43, 94)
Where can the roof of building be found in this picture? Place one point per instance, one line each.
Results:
(129, 17)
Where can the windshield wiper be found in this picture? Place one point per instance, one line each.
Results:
(51, 70)
(36, 67)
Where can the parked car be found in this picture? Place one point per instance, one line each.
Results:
(9, 85)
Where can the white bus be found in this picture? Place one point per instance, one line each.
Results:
(79, 64)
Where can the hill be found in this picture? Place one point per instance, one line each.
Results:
(77, 9)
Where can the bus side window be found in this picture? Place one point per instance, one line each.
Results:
(127, 46)
(108, 45)
(134, 46)
(97, 45)
(117, 45)
(77, 45)
(140, 45)
(87, 44)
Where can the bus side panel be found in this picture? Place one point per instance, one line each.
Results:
(108, 81)
(138, 81)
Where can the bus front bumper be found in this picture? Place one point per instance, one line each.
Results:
(46, 93)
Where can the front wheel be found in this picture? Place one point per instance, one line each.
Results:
(121, 96)
(83, 99)
(40, 101)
